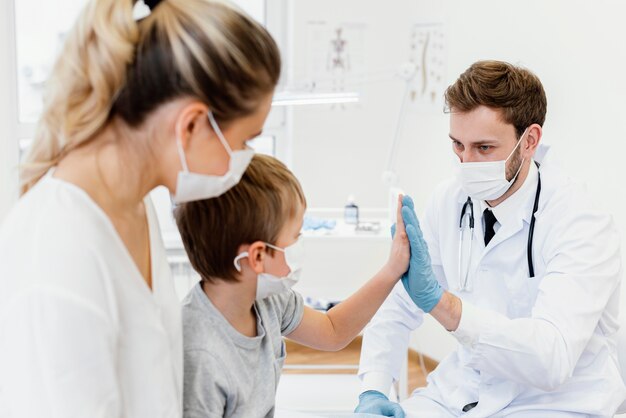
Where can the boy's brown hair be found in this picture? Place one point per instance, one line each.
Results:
(256, 209)
(516, 91)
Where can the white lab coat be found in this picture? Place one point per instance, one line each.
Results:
(81, 334)
(546, 343)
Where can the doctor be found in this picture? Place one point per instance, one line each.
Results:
(513, 260)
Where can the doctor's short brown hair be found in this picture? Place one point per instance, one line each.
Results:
(256, 209)
(515, 91)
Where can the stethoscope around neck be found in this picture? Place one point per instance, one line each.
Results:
(467, 212)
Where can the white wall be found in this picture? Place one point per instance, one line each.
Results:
(577, 48)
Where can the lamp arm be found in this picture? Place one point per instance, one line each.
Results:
(399, 125)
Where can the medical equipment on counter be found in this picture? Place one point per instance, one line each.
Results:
(368, 227)
(312, 223)
(320, 304)
(351, 212)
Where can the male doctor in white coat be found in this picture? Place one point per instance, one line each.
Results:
(530, 292)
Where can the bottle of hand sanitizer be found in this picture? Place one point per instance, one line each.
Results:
(351, 212)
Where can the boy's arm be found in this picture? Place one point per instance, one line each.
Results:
(334, 330)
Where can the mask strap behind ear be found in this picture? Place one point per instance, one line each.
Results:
(239, 257)
(181, 152)
(218, 132)
(519, 141)
(275, 247)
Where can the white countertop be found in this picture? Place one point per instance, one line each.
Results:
(173, 242)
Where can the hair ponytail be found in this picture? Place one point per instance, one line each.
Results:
(85, 80)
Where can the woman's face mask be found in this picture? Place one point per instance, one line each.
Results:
(487, 180)
(268, 284)
(193, 186)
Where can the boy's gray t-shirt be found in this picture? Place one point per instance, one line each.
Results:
(226, 373)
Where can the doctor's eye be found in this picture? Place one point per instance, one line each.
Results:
(485, 147)
(457, 144)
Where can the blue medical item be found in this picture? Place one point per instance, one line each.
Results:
(312, 224)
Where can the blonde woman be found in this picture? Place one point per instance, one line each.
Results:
(89, 322)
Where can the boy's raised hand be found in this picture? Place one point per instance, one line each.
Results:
(398, 262)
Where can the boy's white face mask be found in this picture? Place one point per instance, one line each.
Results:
(193, 186)
(268, 284)
(487, 180)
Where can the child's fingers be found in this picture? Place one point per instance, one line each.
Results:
(399, 221)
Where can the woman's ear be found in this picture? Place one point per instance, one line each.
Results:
(189, 121)
(256, 257)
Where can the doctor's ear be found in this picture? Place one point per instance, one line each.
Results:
(533, 137)
(191, 120)
(256, 256)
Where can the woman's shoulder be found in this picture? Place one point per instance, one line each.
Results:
(56, 211)
(54, 238)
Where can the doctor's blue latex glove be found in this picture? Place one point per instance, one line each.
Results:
(374, 402)
(419, 280)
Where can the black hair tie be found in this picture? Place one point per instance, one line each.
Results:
(151, 3)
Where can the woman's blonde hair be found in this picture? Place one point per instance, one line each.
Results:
(114, 66)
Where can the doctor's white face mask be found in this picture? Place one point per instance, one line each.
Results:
(487, 180)
(194, 186)
(268, 284)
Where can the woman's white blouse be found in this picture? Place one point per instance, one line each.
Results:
(81, 333)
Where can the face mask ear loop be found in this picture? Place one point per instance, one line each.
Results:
(239, 257)
(519, 141)
(524, 159)
(275, 247)
(181, 154)
(219, 133)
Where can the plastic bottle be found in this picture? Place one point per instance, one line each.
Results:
(351, 212)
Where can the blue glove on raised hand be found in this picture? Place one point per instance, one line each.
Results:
(374, 402)
(419, 280)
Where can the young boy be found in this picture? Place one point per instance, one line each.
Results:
(245, 245)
